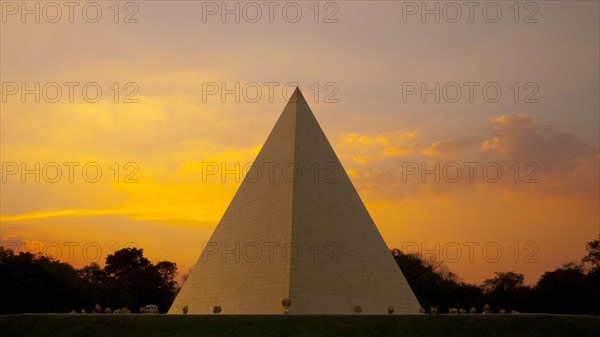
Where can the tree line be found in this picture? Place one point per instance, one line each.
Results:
(573, 288)
(35, 283)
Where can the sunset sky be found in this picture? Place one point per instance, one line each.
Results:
(366, 67)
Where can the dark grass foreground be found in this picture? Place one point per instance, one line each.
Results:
(310, 326)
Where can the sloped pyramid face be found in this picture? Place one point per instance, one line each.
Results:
(296, 229)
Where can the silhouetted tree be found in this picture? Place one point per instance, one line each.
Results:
(506, 291)
(126, 261)
(564, 290)
(593, 254)
(142, 282)
(503, 282)
(469, 295)
(434, 285)
(93, 274)
(36, 283)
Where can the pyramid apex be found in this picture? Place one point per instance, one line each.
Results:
(297, 94)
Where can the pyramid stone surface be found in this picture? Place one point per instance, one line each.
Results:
(307, 237)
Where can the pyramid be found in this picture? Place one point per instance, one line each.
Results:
(296, 229)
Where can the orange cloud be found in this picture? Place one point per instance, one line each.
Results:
(449, 148)
(365, 149)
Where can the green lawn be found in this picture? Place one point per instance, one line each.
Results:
(309, 326)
